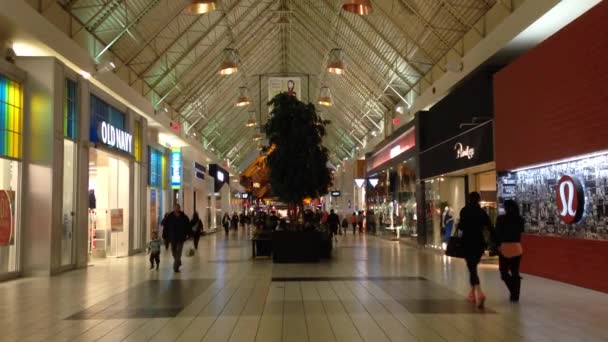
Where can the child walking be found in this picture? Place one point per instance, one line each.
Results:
(154, 249)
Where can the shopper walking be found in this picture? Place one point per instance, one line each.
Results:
(360, 221)
(473, 220)
(165, 231)
(353, 222)
(235, 221)
(196, 226)
(333, 221)
(154, 250)
(226, 223)
(177, 224)
(508, 233)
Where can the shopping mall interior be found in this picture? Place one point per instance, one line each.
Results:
(303, 170)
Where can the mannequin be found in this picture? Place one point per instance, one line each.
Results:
(447, 221)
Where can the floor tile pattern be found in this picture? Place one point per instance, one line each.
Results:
(372, 290)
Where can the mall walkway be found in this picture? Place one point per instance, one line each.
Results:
(374, 290)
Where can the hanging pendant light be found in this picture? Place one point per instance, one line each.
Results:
(202, 6)
(230, 62)
(336, 64)
(257, 137)
(251, 122)
(359, 7)
(243, 99)
(325, 97)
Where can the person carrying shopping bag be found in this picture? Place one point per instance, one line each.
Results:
(509, 228)
(473, 221)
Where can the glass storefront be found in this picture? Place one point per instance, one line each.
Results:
(108, 204)
(444, 198)
(392, 202)
(157, 190)
(69, 173)
(11, 123)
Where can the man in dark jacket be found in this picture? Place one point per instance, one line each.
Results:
(333, 221)
(177, 225)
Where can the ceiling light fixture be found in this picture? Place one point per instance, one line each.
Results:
(325, 97)
(257, 137)
(336, 64)
(243, 99)
(230, 62)
(359, 7)
(202, 6)
(251, 122)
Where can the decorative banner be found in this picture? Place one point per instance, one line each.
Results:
(291, 85)
(116, 220)
(6, 217)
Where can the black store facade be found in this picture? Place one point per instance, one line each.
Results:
(456, 156)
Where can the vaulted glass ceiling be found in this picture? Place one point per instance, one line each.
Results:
(173, 58)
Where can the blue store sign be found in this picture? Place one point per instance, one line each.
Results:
(176, 168)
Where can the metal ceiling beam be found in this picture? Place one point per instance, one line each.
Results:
(134, 22)
(155, 35)
(198, 82)
(194, 44)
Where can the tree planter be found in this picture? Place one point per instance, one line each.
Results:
(297, 247)
(262, 247)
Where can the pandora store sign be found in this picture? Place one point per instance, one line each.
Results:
(116, 138)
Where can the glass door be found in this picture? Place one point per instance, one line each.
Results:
(69, 209)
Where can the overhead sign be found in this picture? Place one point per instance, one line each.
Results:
(336, 193)
(115, 137)
(220, 176)
(471, 148)
(464, 152)
(570, 199)
(176, 168)
(199, 171)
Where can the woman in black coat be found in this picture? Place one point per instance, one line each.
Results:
(197, 229)
(473, 220)
(508, 233)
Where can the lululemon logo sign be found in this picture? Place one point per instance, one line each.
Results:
(570, 199)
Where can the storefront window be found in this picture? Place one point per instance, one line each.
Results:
(69, 110)
(108, 204)
(11, 116)
(69, 205)
(444, 197)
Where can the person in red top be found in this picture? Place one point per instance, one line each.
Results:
(353, 222)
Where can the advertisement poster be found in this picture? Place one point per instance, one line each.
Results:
(116, 220)
(153, 215)
(278, 85)
(176, 168)
(6, 217)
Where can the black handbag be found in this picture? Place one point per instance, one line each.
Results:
(455, 247)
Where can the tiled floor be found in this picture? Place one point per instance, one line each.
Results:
(373, 290)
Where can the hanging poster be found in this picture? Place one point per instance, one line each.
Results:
(6, 217)
(291, 85)
(116, 220)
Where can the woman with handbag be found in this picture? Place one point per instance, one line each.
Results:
(508, 232)
(473, 220)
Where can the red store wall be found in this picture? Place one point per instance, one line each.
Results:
(550, 104)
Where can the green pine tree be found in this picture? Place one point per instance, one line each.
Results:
(298, 161)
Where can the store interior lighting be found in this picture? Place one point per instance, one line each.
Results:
(336, 64)
(243, 99)
(230, 62)
(325, 98)
(373, 182)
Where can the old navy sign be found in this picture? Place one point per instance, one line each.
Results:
(115, 137)
(570, 199)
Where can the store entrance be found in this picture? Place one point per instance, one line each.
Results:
(108, 205)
